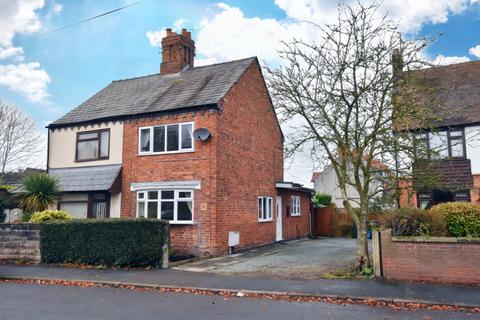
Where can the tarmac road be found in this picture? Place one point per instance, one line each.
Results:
(38, 302)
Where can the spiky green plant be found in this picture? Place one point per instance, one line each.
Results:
(40, 191)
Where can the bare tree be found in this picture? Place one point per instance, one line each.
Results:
(339, 90)
(20, 142)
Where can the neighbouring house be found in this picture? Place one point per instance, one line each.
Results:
(198, 146)
(10, 183)
(326, 181)
(14, 178)
(453, 141)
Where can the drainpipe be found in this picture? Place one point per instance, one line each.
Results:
(310, 220)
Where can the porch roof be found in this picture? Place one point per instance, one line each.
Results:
(287, 185)
(94, 178)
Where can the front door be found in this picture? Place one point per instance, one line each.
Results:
(98, 206)
(279, 219)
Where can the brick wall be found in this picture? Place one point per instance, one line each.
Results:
(439, 260)
(250, 161)
(295, 226)
(242, 160)
(199, 165)
(19, 242)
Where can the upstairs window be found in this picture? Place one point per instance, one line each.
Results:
(441, 144)
(93, 145)
(296, 206)
(165, 139)
(265, 209)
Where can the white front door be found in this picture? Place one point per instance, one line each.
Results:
(279, 219)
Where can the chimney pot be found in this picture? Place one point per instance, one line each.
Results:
(186, 33)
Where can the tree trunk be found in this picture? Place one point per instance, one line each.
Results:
(363, 259)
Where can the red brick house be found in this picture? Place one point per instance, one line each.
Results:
(199, 146)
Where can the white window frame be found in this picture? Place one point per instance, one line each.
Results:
(296, 206)
(175, 201)
(180, 149)
(269, 208)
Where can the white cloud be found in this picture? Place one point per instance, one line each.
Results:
(26, 78)
(412, 14)
(57, 8)
(228, 34)
(11, 52)
(155, 37)
(19, 17)
(443, 60)
(475, 51)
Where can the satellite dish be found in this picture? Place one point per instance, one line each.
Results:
(202, 134)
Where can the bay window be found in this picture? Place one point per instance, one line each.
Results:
(175, 206)
(166, 138)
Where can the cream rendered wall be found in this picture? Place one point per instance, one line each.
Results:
(115, 205)
(63, 144)
(472, 139)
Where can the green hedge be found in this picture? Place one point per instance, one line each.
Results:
(109, 242)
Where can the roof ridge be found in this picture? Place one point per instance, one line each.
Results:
(199, 67)
(225, 62)
(443, 66)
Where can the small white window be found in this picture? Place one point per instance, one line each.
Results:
(265, 209)
(296, 206)
(172, 138)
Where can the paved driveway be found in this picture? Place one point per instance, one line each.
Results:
(299, 259)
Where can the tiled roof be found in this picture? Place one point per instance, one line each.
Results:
(458, 93)
(95, 178)
(193, 87)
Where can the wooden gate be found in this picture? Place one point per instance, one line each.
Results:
(323, 219)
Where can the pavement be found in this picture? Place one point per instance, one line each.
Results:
(356, 289)
(38, 302)
(298, 259)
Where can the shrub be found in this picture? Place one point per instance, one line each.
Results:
(108, 242)
(414, 222)
(40, 191)
(321, 199)
(462, 218)
(49, 215)
(25, 217)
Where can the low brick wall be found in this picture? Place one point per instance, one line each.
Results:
(434, 259)
(19, 242)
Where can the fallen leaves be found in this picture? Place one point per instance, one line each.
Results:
(246, 294)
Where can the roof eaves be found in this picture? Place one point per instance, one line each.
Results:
(136, 115)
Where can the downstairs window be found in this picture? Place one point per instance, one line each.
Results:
(175, 206)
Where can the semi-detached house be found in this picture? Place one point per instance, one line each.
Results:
(198, 146)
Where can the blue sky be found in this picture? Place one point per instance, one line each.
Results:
(48, 75)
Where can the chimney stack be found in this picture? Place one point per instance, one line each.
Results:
(178, 51)
(397, 63)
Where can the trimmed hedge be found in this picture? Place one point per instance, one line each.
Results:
(109, 242)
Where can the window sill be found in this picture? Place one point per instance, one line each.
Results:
(91, 160)
(268, 220)
(182, 222)
(295, 215)
(164, 153)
